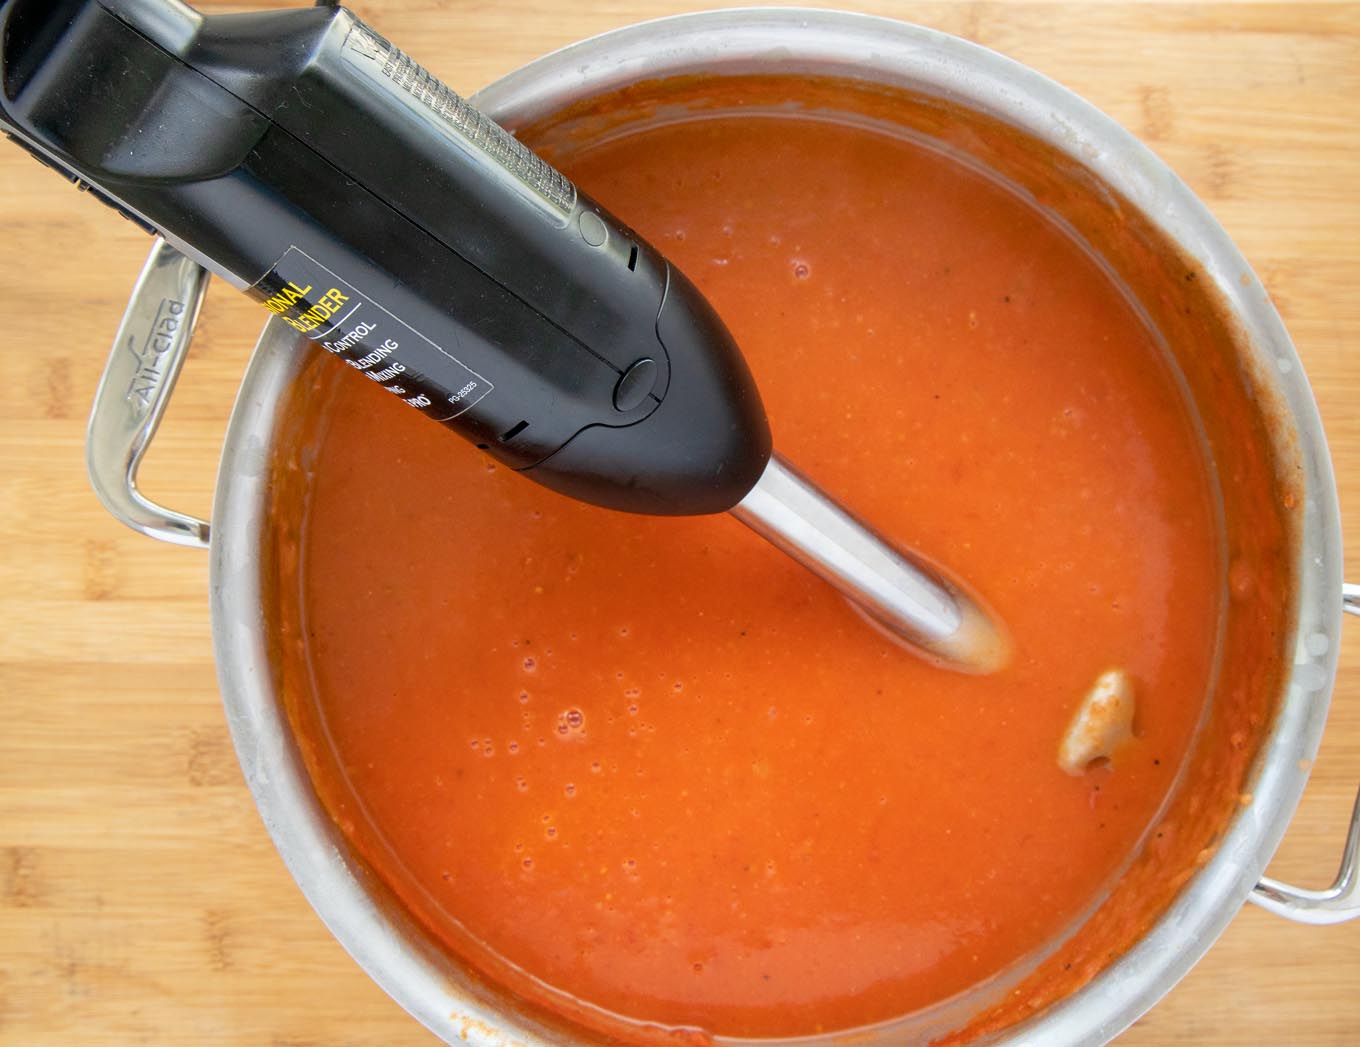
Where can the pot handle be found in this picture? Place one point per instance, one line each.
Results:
(139, 377)
(1340, 901)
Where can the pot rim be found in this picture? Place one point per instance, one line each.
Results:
(388, 945)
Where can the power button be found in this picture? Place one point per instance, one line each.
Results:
(635, 384)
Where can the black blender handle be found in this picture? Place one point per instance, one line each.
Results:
(312, 164)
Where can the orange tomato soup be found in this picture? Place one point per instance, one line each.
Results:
(651, 767)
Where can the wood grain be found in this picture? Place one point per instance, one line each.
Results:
(140, 900)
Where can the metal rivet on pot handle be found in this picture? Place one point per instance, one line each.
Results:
(147, 354)
(1340, 901)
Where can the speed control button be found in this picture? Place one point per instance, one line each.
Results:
(593, 230)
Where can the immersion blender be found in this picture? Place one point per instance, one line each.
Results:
(307, 161)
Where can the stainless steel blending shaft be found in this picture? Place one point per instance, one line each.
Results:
(907, 596)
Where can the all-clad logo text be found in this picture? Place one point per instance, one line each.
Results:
(150, 357)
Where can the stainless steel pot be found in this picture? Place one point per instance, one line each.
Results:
(353, 904)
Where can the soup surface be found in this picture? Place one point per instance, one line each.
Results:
(653, 766)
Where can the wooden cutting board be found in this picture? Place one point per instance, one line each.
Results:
(140, 900)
